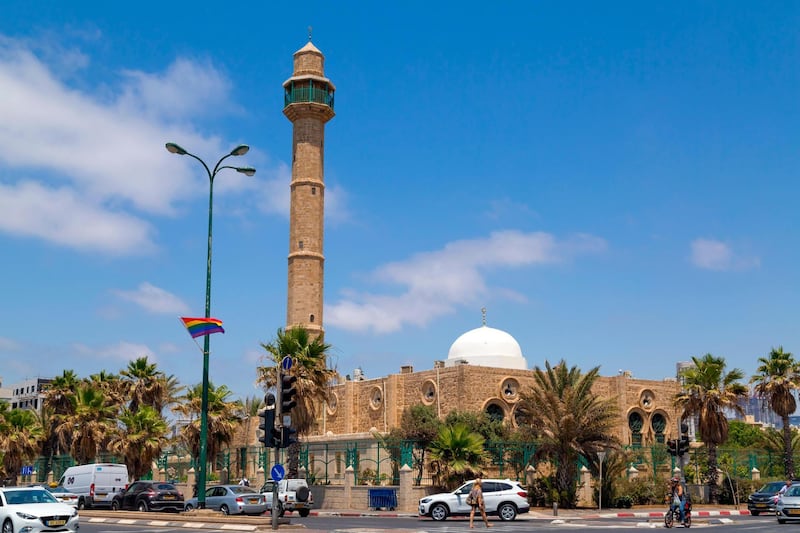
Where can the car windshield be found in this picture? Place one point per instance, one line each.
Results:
(164, 486)
(793, 491)
(772, 488)
(241, 489)
(19, 497)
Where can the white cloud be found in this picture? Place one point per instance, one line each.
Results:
(435, 283)
(154, 299)
(121, 351)
(165, 95)
(60, 216)
(8, 345)
(716, 255)
(99, 162)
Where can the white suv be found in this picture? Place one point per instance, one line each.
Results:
(502, 497)
(293, 495)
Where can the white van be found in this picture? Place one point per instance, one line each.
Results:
(95, 484)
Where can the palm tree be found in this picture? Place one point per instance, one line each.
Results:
(708, 392)
(568, 420)
(310, 366)
(58, 402)
(144, 384)
(20, 437)
(777, 377)
(222, 419)
(455, 454)
(140, 439)
(88, 424)
(110, 385)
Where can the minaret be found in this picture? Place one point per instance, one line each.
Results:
(308, 103)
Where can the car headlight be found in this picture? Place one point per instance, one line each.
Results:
(425, 500)
(26, 516)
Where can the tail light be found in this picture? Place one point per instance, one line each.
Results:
(151, 493)
(239, 499)
(522, 494)
(91, 490)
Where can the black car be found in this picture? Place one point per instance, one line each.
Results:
(763, 501)
(149, 496)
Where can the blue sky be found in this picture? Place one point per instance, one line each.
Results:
(614, 182)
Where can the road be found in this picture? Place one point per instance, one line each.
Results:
(321, 524)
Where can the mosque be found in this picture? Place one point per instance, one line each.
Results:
(485, 369)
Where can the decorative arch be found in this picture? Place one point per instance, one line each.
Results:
(495, 409)
(636, 425)
(659, 422)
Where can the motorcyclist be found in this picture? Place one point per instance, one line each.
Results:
(677, 498)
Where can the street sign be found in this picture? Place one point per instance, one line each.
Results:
(277, 472)
(286, 363)
(26, 470)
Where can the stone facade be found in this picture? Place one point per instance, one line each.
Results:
(360, 407)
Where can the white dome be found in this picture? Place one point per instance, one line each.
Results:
(485, 346)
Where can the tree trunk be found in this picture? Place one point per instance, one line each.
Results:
(713, 489)
(293, 460)
(788, 457)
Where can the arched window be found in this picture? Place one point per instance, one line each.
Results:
(495, 412)
(659, 425)
(636, 423)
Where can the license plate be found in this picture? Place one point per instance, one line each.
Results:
(53, 523)
(762, 505)
(169, 496)
(253, 500)
(793, 511)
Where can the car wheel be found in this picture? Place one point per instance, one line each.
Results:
(143, 507)
(439, 512)
(780, 521)
(281, 510)
(8, 527)
(81, 504)
(507, 512)
(303, 512)
(224, 509)
(189, 507)
(755, 513)
(115, 505)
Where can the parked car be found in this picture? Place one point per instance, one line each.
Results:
(787, 507)
(293, 495)
(145, 495)
(763, 500)
(96, 484)
(502, 497)
(63, 495)
(231, 499)
(35, 510)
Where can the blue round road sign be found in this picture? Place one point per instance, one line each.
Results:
(277, 472)
(286, 363)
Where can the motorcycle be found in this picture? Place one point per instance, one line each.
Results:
(674, 515)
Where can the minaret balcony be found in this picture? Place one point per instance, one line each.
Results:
(302, 95)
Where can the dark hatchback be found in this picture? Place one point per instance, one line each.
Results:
(763, 500)
(149, 496)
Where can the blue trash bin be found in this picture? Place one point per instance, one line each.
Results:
(382, 498)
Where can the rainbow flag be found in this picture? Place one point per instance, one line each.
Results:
(198, 327)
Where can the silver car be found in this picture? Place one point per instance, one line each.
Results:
(502, 497)
(787, 507)
(231, 499)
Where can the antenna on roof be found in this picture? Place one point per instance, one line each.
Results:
(309, 34)
(483, 315)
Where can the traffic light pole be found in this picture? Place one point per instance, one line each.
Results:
(278, 420)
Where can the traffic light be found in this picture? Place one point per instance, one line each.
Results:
(672, 447)
(288, 436)
(287, 391)
(683, 445)
(267, 424)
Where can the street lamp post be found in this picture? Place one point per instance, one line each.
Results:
(249, 171)
(602, 456)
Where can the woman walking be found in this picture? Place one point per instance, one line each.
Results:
(475, 500)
